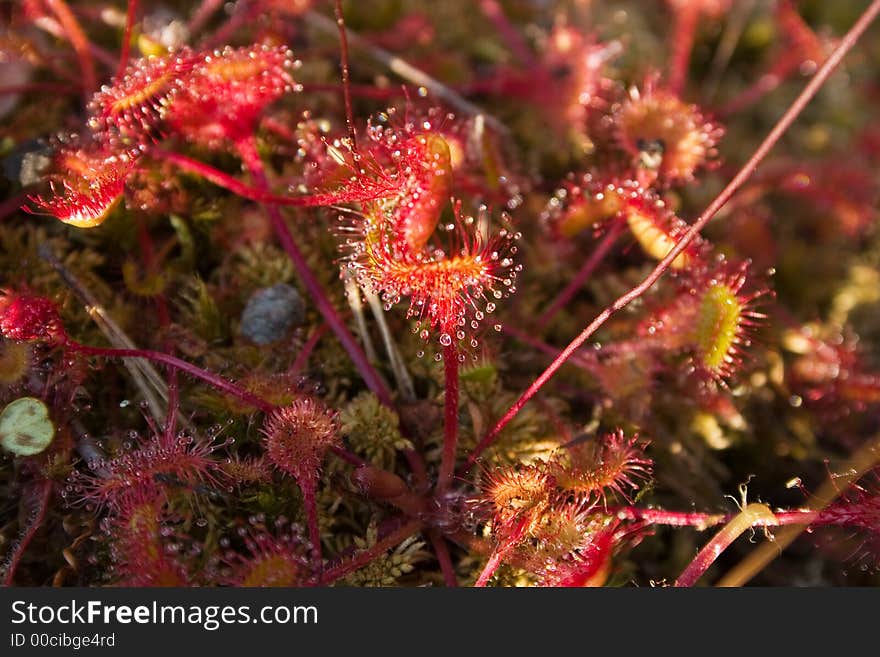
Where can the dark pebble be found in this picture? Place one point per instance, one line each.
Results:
(271, 312)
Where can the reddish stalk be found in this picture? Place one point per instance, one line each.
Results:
(126, 37)
(705, 520)
(495, 13)
(51, 87)
(683, 32)
(248, 152)
(202, 15)
(576, 283)
(241, 14)
(583, 359)
(489, 569)
(42, 492)
(78, 40)
(364, 557)
(346, 82)
(302, 358)
(210, 378)
(764, 85)
(865, 459)
(406, 71)
(744, 173)
(360, 90)
(751, 516)
(348, 457)
(441, 549)
(450, 427)
(311, 504)
(232, 184)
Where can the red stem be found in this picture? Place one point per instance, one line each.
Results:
(126, 37)
(683, 34)
(441, 549)
(242, 13)
(42, 492)
(744, 173)
(248, 151)
(495, 13)
(348, 457)
(202, 15)
(595, 259)
(52, 87)
(226, 181)
(450, 428)
(302, 358)
(364, 557)
(361, 90)
(489, 569)
(764, 85)
(346, 82)
(311, 505)
(750, 516)
(214, 380)
(78, 40)
(705, 520)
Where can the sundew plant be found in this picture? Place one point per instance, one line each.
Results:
(460, 293)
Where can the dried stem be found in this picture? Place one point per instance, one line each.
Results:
(744, 173)
(353, 296)
(146, 378)
(736, 22)
(395, 360)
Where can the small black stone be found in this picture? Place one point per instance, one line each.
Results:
(271, 312)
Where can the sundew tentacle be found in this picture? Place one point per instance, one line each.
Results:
(593, 200)
(724, 318)
(227, 91)
(449, 294)
(664, 134)
(136, 102)
(87, 185)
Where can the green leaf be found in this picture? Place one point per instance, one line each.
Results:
(25, 427)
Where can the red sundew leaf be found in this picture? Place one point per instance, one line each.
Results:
(227, 90)
(134, 104)
(87, 185)
(665, 134)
